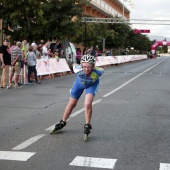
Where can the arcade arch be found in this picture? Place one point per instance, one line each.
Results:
(157, 44)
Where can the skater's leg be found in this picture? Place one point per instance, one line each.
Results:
(70, 106)
(88, 107)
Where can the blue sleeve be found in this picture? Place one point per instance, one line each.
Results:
(98, 70)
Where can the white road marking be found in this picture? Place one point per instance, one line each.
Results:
(50, 128)
(97, 101)
(28, 142)
(74, 114)
(16, 156)
(94, 162)
(108, 94)
(164, 166)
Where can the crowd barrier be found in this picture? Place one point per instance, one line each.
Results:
(52, 66)
(109, 60)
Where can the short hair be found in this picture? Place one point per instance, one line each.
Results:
(6, 39)
(30, 48)
(19, 44)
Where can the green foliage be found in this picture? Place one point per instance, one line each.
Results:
(60, 16)
(40, 19)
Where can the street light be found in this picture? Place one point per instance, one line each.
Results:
(1, 35)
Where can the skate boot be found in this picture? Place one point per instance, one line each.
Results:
(58, 127)
(87, 130)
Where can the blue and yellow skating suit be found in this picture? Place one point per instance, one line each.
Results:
(88, 82)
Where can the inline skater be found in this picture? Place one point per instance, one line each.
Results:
(87, 78)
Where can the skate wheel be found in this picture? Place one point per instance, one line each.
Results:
(85, 137)
(53, 131)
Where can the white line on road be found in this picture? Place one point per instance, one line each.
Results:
(28, 142)
(108, 94)
(81, 110)
(164, 166)
(94, 162)
(15, 156)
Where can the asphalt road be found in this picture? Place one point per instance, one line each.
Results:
(131, 122)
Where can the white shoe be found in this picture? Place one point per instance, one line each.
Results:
(8, 87)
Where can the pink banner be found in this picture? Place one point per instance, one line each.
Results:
(51, 66)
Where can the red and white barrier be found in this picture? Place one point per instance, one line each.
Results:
(108, 60)
(51, 66)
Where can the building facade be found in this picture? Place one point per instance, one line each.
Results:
(105, 8)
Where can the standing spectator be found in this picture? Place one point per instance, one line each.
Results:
(37, 53)
(61, 51)
(56, 55)
(57, 45)
(78, 55)
(15, 63)
(5, 58)
(39, 48)
(93, 51)
(45, 50)
(13, 45)
(50, 53)
(24, 49)
(23, 66)
(31, 63)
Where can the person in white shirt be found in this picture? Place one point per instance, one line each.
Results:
(45, 50)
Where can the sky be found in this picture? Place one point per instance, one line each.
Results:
(152, 10)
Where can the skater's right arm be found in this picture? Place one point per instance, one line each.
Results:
(77, 68)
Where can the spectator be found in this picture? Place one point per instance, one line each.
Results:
(15, 63)
(5, 58)
(24, 49)
(56, 55)
(61, 51)
(50, 53)
(93, 51)
(45, 50)
(37, 52)
(13, 45)
(23, 66)
(57, 45)
(39, 48)
(78, 55)
(31, 63)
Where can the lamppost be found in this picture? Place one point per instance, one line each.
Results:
(123, 9)
(1, 32)
(85, 36)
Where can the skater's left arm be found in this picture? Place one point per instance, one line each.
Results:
(99, 70)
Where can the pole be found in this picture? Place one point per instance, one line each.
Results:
(85, 32)
(103, 44)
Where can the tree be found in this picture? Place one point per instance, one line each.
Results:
(24, 18)
(118, 39)
(140, 42)
(40, 19)
(63, 17)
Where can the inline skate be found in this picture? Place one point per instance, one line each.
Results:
(87, 130)
(58, 127)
